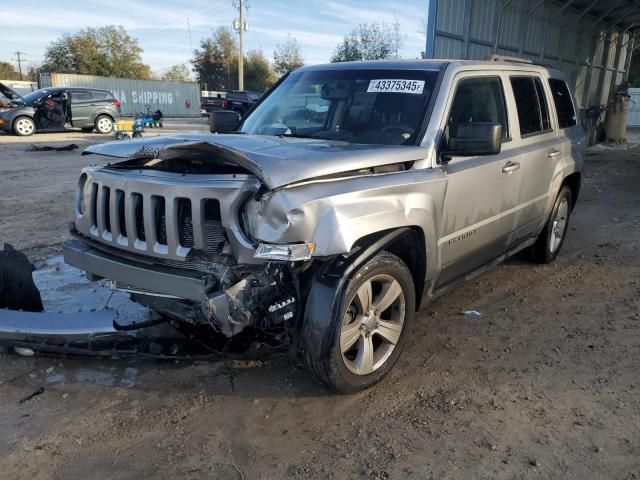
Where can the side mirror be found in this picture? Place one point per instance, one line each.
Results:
(475, 139)
(223, 121)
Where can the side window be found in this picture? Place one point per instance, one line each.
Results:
(100, 95)
(533, 111)
(564, 105)
(544, 107)
(79, 96)
(478, 99)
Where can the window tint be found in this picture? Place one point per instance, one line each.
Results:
(479, 99)
(100, 95)
(564, 105)
(80, 96)
(533, 118)
(544, 107)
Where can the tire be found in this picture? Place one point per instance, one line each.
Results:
(87, 129)
(104, 124)
(136, 135)
(24, 126)
(120, 136)
(363, 348)
(551, 239)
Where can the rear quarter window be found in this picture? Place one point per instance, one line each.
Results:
(100, 95)
(564, 105)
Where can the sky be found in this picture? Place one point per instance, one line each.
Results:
(161, 25)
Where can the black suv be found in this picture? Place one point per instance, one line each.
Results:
(56, 108)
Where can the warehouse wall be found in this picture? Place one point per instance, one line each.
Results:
(546, 32)
(174, 99)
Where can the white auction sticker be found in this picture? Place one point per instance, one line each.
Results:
(396, 86)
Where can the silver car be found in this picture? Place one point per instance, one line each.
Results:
(349, 195)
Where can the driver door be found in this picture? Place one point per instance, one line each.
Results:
(52, 111)
(482, 192)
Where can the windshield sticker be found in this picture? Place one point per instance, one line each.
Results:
(396, 86)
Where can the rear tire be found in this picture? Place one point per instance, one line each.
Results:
(104, 124)
(370, 331)
(24, 126)
(551, 239)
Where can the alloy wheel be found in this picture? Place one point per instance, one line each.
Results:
(372, 324)
(25, 126)
(559, 226)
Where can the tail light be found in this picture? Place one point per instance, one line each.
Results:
(224, 103)
(115, 103)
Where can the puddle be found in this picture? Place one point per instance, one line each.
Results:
(66, 289)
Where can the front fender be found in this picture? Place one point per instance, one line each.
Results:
(336, 214)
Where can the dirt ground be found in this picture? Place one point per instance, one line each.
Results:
(545, 384)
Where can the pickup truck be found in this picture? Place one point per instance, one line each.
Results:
(235, 100)
(350, 195)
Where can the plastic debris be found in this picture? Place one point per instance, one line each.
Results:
(472, 313)
(35, 393)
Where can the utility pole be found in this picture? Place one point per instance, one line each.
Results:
(240, 26)
(18, 59)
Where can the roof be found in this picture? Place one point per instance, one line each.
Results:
(624, 14)
(380, 64)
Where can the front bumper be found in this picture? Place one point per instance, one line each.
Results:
(163, 281)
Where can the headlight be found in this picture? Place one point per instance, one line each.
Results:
(287, 252)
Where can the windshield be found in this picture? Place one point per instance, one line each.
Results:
(357, 106)
(30, 97)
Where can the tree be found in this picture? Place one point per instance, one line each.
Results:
(370, 42)
(216, 64)
(177, 73)
(258, 75)
(8, 72)
(106, 51)
(287, 56)
(216, 61)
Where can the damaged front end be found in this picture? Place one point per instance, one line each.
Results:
(174, 240)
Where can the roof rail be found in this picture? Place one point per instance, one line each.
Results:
(494, 57)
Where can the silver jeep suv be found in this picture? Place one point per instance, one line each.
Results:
(349, 192)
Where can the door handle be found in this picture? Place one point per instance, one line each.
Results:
(554, 153)
(511, 167)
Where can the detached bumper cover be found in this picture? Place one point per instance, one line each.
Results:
(161, 281)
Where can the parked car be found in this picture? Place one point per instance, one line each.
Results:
(351, 194)
(239, 101)
(56, 108)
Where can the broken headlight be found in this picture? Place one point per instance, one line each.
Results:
(287, 252)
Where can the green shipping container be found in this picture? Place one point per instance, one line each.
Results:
(174, 99)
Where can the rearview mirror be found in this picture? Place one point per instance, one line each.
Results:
(475, 139)
(223, 121)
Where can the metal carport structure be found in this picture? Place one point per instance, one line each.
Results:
(592, 41)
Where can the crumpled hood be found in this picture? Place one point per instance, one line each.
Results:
(277, 161)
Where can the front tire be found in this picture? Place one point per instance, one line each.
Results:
(551, 239)
(104, 124)
(24, 126)
(369, 332)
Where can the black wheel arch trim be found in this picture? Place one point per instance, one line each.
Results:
(326, 290)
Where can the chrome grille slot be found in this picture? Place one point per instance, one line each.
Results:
(122, 224)
(93, 208)
(138, 205)
(160, 219)
(105, 206)
(214, 234)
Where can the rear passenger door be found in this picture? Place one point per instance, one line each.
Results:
(81, 107)
(482, 192)
(541, 153)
